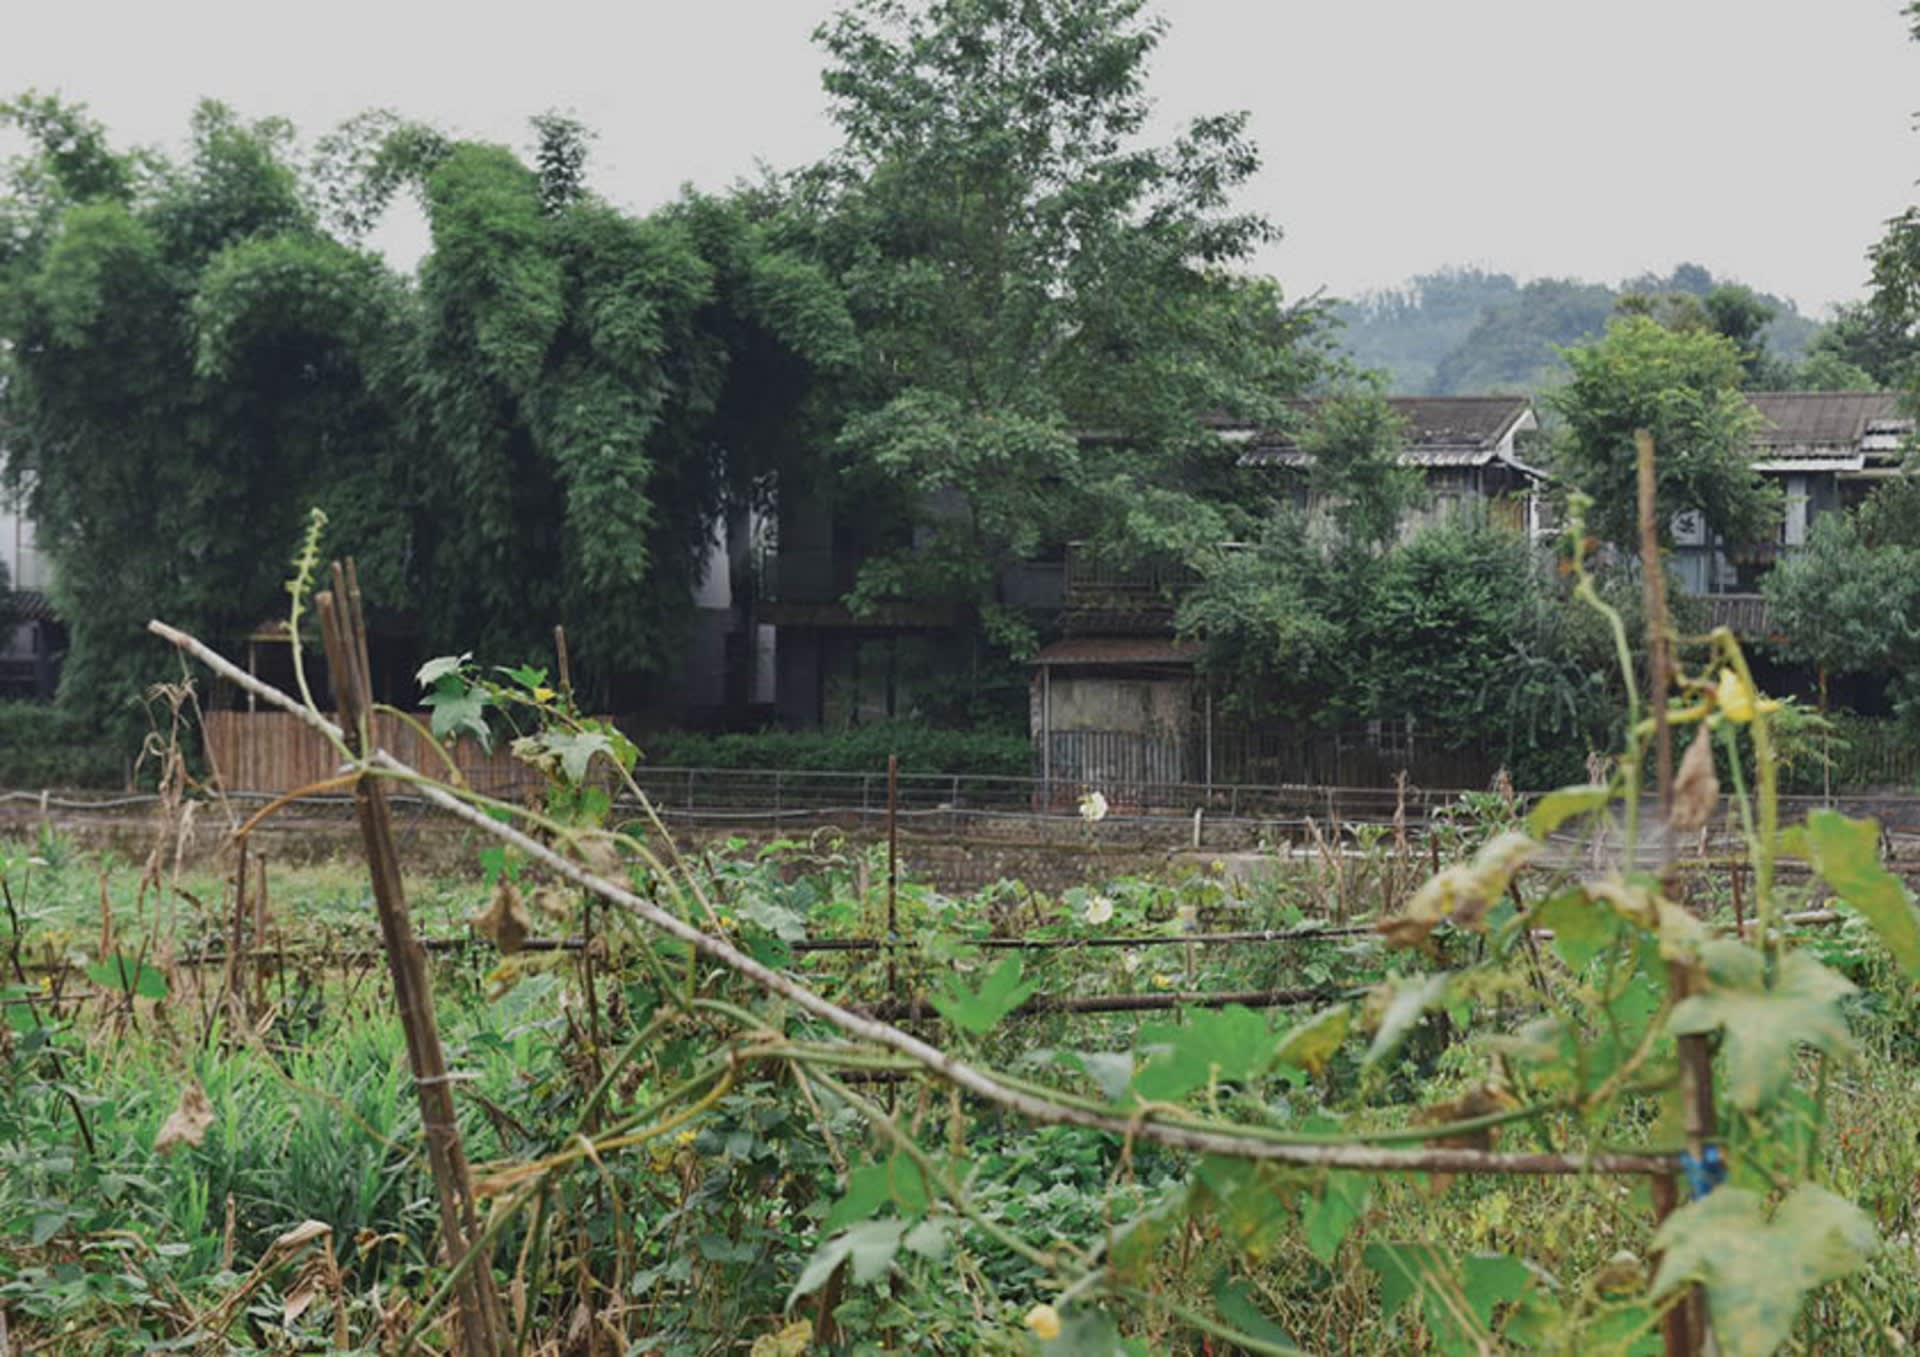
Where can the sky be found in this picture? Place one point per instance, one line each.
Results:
(1765, 139)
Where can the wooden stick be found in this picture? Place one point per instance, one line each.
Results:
(343, 629)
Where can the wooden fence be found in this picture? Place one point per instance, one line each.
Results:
(274, 752)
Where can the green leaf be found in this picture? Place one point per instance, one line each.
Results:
(1232, 1043)
(440, 667)
(977, 1012)
(1758, 1271)
(1409, 997)
(129, 975)
(1234, 1301)
(1582, 928)
(1556, 808)
(1403, 1269)
(1847, 854)
(575, 750)
(867, 1247)
(1342, 1201)
(1764, 1026)
(1086, 1332)
(1484, 1280)
(459, 710)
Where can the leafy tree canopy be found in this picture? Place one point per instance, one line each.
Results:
(1047, 306)
(540, 428)
(1684, 386)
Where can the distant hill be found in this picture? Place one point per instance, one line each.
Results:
(1469, 332)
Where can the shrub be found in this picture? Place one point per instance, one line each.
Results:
(43, 746)
(859, 749)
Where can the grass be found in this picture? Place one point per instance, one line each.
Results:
(695, 1241)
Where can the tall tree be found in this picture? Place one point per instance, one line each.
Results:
(542, 428)
(1048, 306)
(1684, 386)
(186, 358)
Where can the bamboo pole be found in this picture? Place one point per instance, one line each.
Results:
(343, 627)
(1684, 1327)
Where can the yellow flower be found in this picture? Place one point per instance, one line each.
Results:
(1163, 982)
(1737, 700)
(544, 695)
(687, 1137)
(1044, 1320)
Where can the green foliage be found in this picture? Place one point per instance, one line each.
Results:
(1047, 308)
(43, 746)
(1465, 331)
(857, 749)
(542, 428)
(979, 1011)
(1758, 1270)
(1846, 604)
(1683, 386)
(1459, 628)
(1355, 440)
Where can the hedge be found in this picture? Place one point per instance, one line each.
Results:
(860, 749)
(44, 747)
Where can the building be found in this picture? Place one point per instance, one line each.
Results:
(1467, 449)
(1117, 702)
(31, 640)
(1826, 450)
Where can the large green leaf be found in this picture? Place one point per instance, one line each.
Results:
(129, 975)
(869, 1249)
(1765, 1025)
(459, 710)
(1232, 1043)
(1582, 927)
(978, 1011)
(1847, 854)
(1457, 1302)
(1757, 1271)
(1342, 1200)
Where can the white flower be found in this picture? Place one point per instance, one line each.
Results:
(1093, 808)
(1129, 961)
(1099, 909)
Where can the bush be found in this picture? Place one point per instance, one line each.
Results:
(860, 749)
(43, 746)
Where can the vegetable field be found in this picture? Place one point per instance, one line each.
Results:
(1542, 1075)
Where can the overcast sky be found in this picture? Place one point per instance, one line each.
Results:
(1766, 139)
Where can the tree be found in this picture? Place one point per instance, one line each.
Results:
(1355, 440)
(185, 355)
(1683, 386)
(1048, 308)
(1847, 604)
(543, 429)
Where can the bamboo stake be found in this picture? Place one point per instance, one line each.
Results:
(343, 628)
(1684, 1327)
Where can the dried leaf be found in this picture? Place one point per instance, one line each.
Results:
(1696, 788)
(504, 920)
(791, 1341)
(188, 1122)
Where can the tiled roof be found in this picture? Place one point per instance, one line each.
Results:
(1090, 650)
(1805, 419)
(1441, 431)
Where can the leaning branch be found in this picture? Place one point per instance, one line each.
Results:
(976, 1081)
